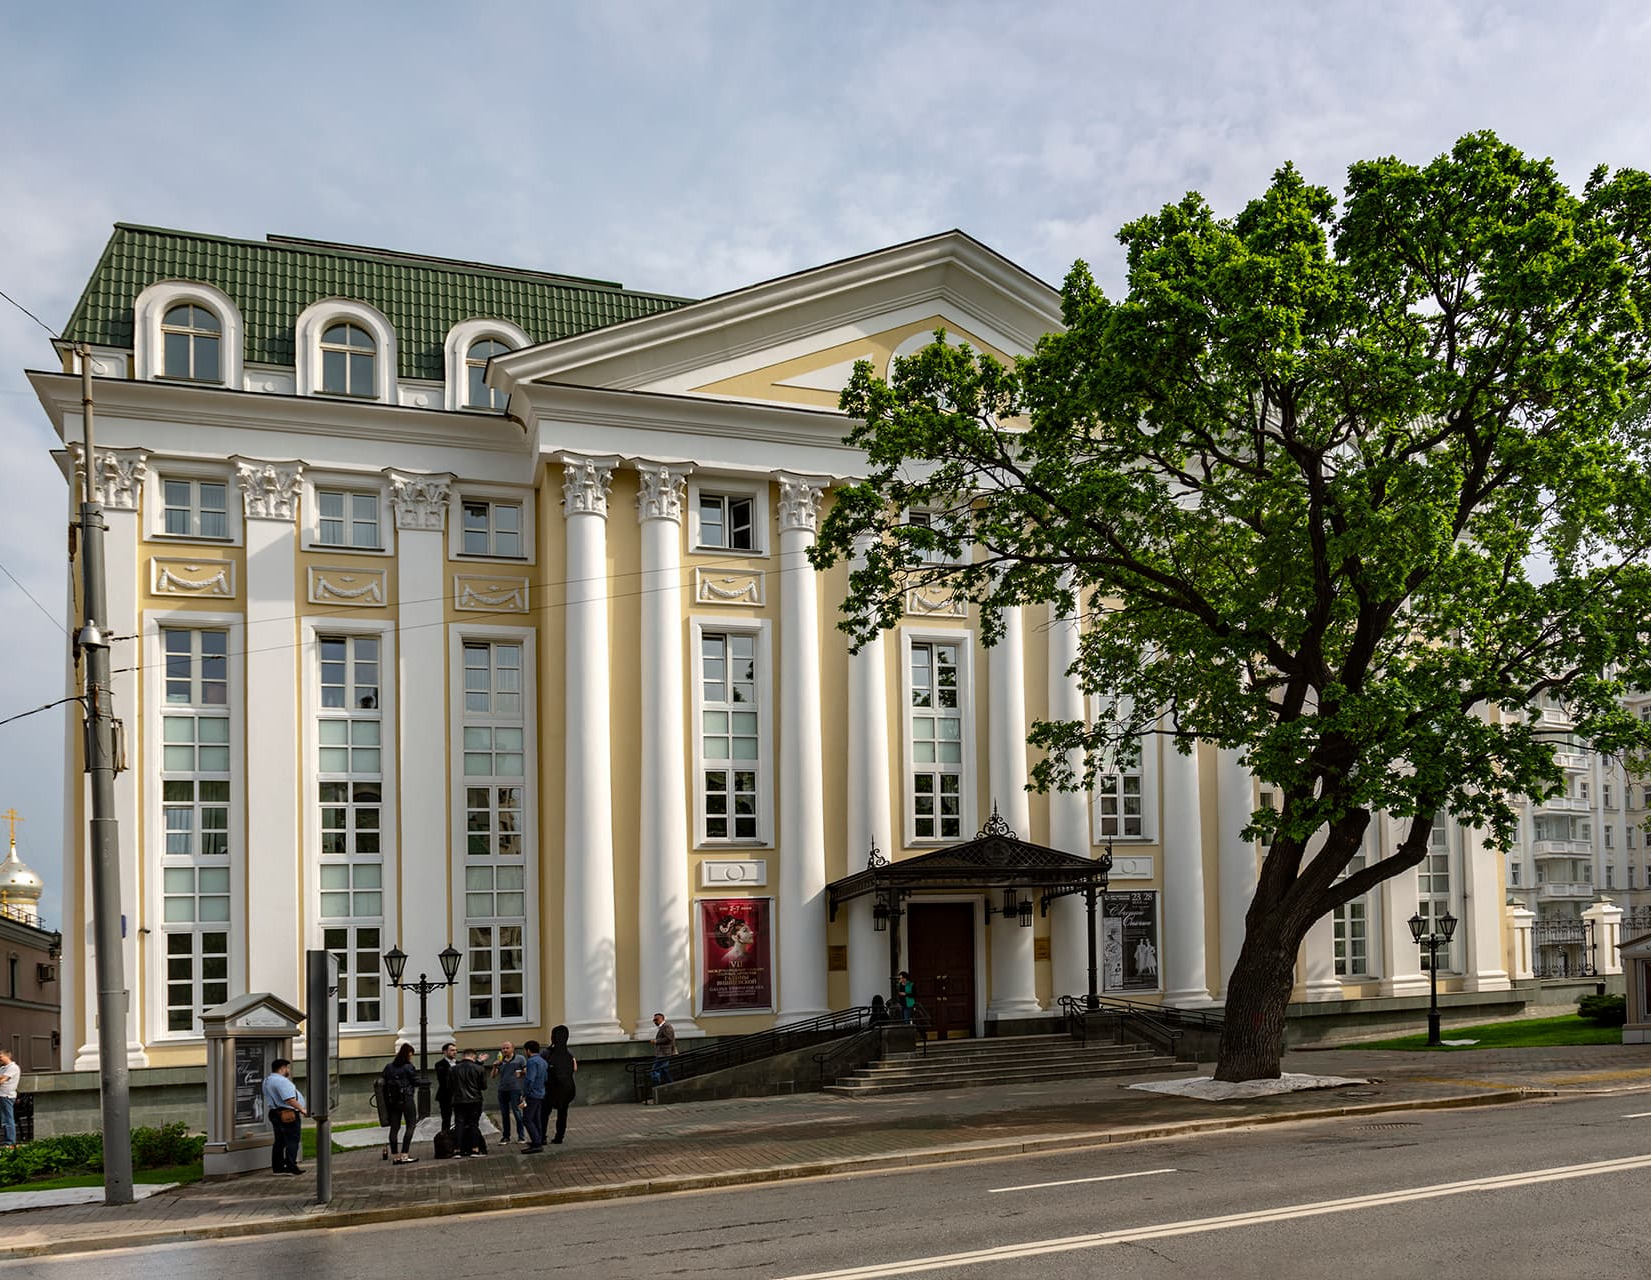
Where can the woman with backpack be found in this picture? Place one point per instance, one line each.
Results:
(559, 1088)
(400, 1092)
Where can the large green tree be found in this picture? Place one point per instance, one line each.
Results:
(1342, 485)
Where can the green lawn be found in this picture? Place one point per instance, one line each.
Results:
(1518, 1034)
(178, 1173)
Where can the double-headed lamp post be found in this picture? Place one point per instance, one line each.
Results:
(1432, 940)
(395, 962)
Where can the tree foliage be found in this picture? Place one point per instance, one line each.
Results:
(1345, 485)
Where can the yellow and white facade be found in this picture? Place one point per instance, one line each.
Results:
(533, 661)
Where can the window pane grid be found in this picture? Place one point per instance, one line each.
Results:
(935, 736)
(195, 508)
(496, 974)
(730, 736)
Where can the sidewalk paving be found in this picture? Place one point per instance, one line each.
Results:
(626, 1150)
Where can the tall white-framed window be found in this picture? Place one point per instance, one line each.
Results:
(937, 735)
(1125, 795)
(191, 336)
(468, 347)
(728, 516)
(478, 394)
(1433, 889)
(197, 812)
(1351, 930)
(348, 361)
(349, 782)
(1513, 873)
(194, 508)
(345, 348)
(495, 878)
(733, 742)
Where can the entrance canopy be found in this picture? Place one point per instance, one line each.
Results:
(994, 859)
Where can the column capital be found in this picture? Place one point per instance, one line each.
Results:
(800, 502)
(661, 492)
(117, 480)
(269, 490)
(419, 498)
(585, 484)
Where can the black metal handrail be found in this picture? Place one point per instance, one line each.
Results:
(739, 1050)
(1169, 1023)
(827, 1065)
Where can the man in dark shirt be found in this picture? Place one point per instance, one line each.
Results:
(444, 1083)
(469, 1088)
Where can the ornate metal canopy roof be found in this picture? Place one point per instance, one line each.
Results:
(994, 859)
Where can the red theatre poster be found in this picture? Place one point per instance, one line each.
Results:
(736, 955)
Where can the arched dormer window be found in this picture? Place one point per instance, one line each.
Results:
(345, 348)
(480, 395)
(190, 340)
(469, 346)
(188, 332)
(348, 356)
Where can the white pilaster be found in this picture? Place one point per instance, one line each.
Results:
(1482, 914)
(269, 493)
(869, 819)
(1186, 980)
(118, 481)
(590, 994)
(664, 950)
(1401, 957)
(1068, 818)
(1318, 962)
(1014, 978)
(1235, 803)
(802, 923)
(1521, 964)
(1606, 917)
(426, 923)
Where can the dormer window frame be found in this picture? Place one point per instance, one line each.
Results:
(149, 312)
(320, 317)
(460, 339)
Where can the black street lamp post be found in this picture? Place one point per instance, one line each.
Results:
(395, 962)
(1431, 940)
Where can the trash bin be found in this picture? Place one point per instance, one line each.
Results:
(22, 1111)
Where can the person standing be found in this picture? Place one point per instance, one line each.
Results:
(444, 1083)
(509, 1070)
(534, 1074)
(664, 1049)
(285, 1107)
(905, 993)
(559, 1088)
(401, 1102)
(469, 1088)
(10, 1074)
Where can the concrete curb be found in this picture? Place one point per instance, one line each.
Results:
(319, 1217)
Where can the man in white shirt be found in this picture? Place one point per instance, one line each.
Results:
(281, 1097)
(10, 1074)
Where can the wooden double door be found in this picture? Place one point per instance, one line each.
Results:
(940, 946)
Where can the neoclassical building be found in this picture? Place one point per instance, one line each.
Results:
(464, 604)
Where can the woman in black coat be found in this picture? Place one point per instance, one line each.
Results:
(559, 1089)
(401, 1102)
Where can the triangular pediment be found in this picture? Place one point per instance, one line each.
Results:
(794, 341)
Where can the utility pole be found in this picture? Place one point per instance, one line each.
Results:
(99, 721)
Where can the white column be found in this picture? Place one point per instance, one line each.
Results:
(1185, 977)
(802, 911)
(1401, 957)
(1068, 817)
(1235, 803)
(118, 482)
(664, 948)
(1606, 917)
(869, 820)
(1318, 962)
(590, 996)
(269, 492)
(1482, 914)
(1014, 979)
(426, 924)
(1521, 964)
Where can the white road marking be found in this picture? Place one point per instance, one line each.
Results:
(1638, 1115)
(1072, 1182)
(1194, 1226)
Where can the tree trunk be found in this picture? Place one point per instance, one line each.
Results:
(1258, 994)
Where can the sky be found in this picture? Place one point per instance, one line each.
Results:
(691, 148)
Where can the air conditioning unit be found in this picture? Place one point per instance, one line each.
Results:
(46, 972)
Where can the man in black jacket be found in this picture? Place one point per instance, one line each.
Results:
(444, 1083)
(469, 1088)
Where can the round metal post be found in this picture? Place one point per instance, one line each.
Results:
(1433, 987)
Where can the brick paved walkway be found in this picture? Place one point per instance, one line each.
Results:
(620, 1150)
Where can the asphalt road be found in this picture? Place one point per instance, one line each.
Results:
(1529, 1190)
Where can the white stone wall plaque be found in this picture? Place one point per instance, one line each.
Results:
(203, 579)
(720, 586)
(1131, 866)
(721, 874)
(358, 587)
(935, 602)
(482, 593)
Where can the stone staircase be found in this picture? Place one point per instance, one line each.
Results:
(963, 1064)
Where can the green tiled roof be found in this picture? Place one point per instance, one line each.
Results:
(273, 280)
